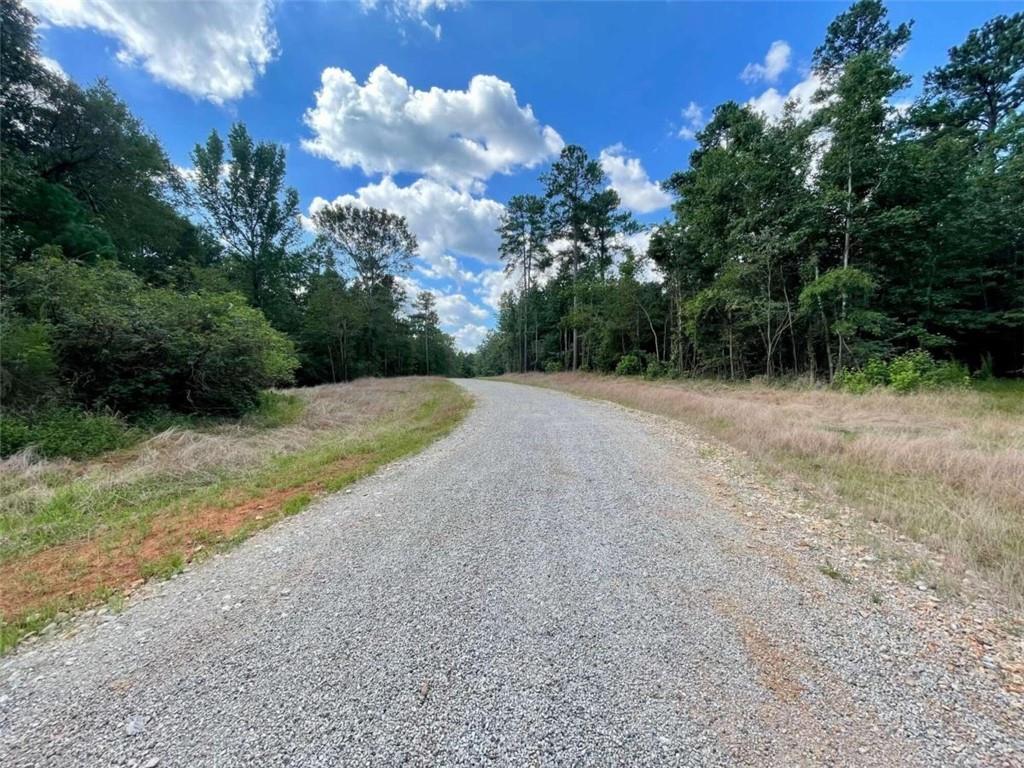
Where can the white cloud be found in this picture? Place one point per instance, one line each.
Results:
(776, 61)
(445, 220)
(414, 10)
(454, 309)
(53, 66)
(469, 336)
(457, 314)
(693, 116)
(494, 283)
(630, 180)
(459, 137)
(210, 50)
(772, 104)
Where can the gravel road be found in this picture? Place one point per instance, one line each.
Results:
(549, 585)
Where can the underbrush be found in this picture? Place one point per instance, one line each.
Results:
(909, 372)
(56, 432)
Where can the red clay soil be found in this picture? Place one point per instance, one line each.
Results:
(78, 572)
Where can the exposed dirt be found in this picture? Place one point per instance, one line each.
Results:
(80, 572)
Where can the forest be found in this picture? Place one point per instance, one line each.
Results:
(134, 288)
(855, 239)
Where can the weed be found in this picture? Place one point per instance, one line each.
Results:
(834, 573)
(163, 567)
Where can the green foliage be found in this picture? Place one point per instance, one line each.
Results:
(28, 371)
(121, 345)
(274, 409)
(252, 213)
(63, 432)
(553, 366)
(656, 370)
(909, 372)
(629, 365)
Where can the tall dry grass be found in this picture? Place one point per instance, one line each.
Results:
(43, 502)
(946, 468)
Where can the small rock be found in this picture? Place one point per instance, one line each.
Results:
(135, 726)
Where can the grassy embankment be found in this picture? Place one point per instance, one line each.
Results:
(943, 467)
(77, 533)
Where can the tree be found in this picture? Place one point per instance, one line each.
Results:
(863, 28)
(570, 185)
(524, 236)
(120, 344)
(983, 82)
(376, 247)
(372, 243)
(26, 86)
(333, 313)
(856, 60)
(250, 210)
(426, 321)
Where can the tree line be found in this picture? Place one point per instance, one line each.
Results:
(129, 286)
(809, 245)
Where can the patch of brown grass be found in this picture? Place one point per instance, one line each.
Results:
(946, 468)
(72, 532)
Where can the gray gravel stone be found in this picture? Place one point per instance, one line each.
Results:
(546, 586)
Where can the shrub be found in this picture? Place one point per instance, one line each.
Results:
(552, 366)
(911, 371)
(27, 367)
(656, 370)
(64, 432)
(119, 344)
(853, 381)
(629, 365)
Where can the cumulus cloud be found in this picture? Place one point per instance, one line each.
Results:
(693, 118)
(454, 309)
(776, 61)
(458, 137)
(469, 336)
(447, 222)
(210, 50)
(628, 177)
(457, 314)
(772, 104)
(494, 283)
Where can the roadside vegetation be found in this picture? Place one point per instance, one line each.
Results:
(75, 533)
(859, 257)
(944, 467)
(136, 295)
(857, 238)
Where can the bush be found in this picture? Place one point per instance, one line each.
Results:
(629, 365)
(909, 372)
(552, 366)
(121, 345)
(27, 367)
(64, 432)
(656, 370)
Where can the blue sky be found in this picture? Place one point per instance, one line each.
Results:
(441, 110)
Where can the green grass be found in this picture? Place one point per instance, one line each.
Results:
(77, 434)
(1004, 395)
(92, 507)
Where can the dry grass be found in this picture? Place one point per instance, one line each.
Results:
(74, 532)
(946, 468)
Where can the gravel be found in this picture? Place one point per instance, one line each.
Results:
(549, 586)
